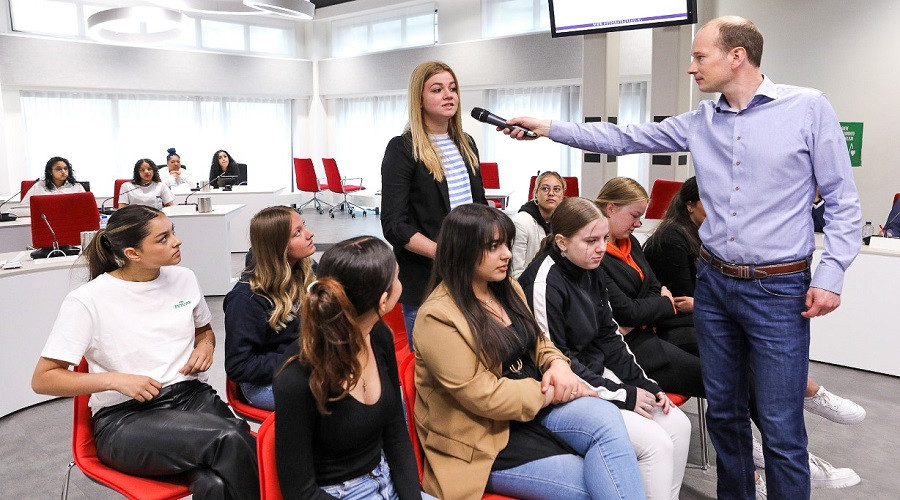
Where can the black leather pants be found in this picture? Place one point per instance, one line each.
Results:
(186, 428)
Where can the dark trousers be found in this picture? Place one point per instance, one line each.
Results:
(673, 368)
(185, 429)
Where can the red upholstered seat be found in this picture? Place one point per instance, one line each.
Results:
(661, 195)
(26, 185)
(68, 214)
(240, 405)
(490, 179)
(84, 452)
(269, 489)
(571, 187)
(305, 177)
(117, 186)
(394, 320)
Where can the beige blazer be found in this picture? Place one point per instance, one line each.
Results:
(463, 408)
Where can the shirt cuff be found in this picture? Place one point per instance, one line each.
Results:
(828, 278)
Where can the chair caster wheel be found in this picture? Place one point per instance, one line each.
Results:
(352, 216)
(332, 216)
(364, 213)
(377, 211)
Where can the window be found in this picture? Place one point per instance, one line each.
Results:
(219, 35)
(47, 17)
(518, 161)
(104, 134)
(510, 17)
(633, 110)
(411, 27)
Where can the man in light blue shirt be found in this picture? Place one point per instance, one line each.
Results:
(759, 152)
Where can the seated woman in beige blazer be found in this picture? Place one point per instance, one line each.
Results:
(497, 407)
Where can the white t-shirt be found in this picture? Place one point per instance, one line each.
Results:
(142, 328)
(39, 188)
(184, 178)
(155, 195)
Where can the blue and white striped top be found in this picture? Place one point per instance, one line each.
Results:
(455, 170)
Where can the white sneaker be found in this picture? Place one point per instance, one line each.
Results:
(758, 458)
(824, 475)
(761, 492)
(834, 407)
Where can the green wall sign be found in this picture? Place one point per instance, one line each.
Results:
(853, 134)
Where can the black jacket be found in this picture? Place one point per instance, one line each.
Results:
(571, 305)
(413, 202)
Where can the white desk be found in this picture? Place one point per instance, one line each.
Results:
(206, 243)
(15, 235)
(498, 194)
(253, 199)
(29, 302)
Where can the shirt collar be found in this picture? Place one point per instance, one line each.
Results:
(766, 92)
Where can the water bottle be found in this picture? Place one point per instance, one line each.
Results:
(103, 220)
(867, 231)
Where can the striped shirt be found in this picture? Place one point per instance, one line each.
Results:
(455, 171)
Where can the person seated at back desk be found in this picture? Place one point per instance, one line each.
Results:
(175, 175)
(145, 187)
(892, 226)
(59, 178)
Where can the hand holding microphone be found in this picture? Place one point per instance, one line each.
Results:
(522, 128)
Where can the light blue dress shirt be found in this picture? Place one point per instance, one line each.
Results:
(757, 170)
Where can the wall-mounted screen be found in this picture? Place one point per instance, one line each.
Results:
(581, 17)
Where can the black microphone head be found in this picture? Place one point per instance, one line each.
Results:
(478, 114)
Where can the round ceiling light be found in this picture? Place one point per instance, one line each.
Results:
(210, 6)
(297, 9)
(136, 25)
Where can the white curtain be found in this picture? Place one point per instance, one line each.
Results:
(362, 128)
(104, 134)
(518, 161)
(633, 110)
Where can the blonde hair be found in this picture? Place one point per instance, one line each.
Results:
(270, 274)
(422, 148)
(620, 191)
(570, 216)
(540, 180)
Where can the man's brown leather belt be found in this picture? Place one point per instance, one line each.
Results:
(752, 272)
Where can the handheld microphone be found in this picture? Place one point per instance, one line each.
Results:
(486, 116)
(7, 216)
(185, 202)
(109, 211)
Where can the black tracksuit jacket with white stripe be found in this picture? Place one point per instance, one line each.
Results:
(571, 304)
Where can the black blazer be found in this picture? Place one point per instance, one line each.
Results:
(413, 202)
(673, 261)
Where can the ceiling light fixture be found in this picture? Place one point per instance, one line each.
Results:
(210, 6)
(136, 25)
(297, 9)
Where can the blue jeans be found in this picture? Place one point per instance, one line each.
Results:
(259, 395)
(409, 318)
(751, 331)
(376, 484)
(605, 467)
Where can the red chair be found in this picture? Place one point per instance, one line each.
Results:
(84, 454)
(67, 214)
(571, 187)
(394, 320)
(240, 405)
(269, 489)
(490, 179)
(408, 387)
(661, 195)
(678, 400)
(896, 197)
(26, 185)
(305, 177)
(116, 188)
(339, 185)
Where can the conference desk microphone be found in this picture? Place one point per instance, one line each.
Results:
(110, 210)
(8, 216)
(42, 253)
(486, 116)
(214, 179)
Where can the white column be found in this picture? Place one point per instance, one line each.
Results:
(670, 94)
(600, 102)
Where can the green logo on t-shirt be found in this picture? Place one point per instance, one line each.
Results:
(182, 303)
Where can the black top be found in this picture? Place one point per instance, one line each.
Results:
(216, 170)
(673, 262)
(413, 202)
(572, 306)
(313, 449)
(252, 347)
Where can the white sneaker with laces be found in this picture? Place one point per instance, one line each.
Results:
(761, 492)
(758, 458)
(824, 475)
(834, 407)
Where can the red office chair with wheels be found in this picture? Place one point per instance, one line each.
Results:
(240, 405)
(84, 454)
(116, 188)
(269, 489)
(67, 215)
(490, 179)
(661, 195)
(26, 185)
(338, 184)
(571, 187)
(407, 370)
(305, 177)
(678, 400)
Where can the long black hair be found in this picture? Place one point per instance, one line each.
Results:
(48, 172)
(678, 217)
(136, 175)
(466, 234)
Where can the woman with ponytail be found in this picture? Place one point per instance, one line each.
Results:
(340, 425)
(142, 324)
(262, 310)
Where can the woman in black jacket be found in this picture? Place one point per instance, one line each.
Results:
(657, 325)
(426, 172)
(567, 293)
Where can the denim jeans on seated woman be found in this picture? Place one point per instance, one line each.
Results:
(259, 395)
(376, 484)
(606, 467)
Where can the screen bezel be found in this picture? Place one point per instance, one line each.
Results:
(692, 19)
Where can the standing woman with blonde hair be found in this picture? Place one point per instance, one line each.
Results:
(427, 171)
(533, 219)
(262, 310)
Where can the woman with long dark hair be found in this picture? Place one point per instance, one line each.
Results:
(339, 417)
(142, 324)
(262, 311)
(497, 406)
(222, 164)
(59, 178)
(145, 187)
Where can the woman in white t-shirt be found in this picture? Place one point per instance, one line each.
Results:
(175, 175)
(59, 178)
(145, 187)
(142, 324)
